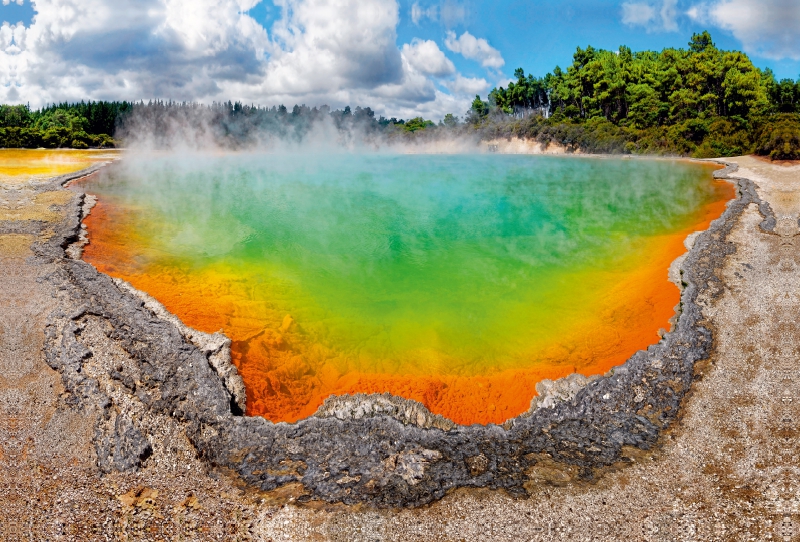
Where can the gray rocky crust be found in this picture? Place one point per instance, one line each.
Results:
(215, 346)
(550, 393)
(377, 450)
(361, 406)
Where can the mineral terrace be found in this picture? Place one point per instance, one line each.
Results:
(118, 422)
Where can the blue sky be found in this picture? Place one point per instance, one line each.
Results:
(14, 13)
(537, 36)
(402, 57)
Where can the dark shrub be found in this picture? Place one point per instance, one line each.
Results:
(779, 138)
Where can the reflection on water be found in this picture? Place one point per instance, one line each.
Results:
(20, 165)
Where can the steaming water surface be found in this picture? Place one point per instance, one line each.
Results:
(459, 281)
(21, 165)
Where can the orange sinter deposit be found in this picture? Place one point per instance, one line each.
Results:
(299, 338)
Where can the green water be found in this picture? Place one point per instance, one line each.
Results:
(385, 254)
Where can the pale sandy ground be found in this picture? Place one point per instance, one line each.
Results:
(513, 145)
(516, 145)
(727, 471)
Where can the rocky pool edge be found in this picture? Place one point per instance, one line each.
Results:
(379, 450)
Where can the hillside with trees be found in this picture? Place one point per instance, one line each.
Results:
(80, 126)
(700, 101)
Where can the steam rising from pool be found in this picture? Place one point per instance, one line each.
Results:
(459, 281)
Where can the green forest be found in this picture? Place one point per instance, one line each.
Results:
(79, 126)
(699, 101)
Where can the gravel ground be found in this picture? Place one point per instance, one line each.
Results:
(88, 454)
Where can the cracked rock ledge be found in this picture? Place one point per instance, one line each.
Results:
(123, 356)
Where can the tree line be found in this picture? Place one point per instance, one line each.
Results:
(237, 125)
(79, 125)
(700, 101)
(230, 124)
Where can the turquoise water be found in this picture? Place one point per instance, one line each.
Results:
(410, 265)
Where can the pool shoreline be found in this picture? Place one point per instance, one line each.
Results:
(409, 411)
(588, 336)
(578, 433)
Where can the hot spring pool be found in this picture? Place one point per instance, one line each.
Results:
(458, 281)
(21, 165)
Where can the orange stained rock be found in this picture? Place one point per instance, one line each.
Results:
(287, 377)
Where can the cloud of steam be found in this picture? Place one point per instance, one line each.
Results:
(229, 127)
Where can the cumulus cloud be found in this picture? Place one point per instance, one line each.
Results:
(427, 58)
(132, 49)
(653, 16)
(473, 48)
(334, 44)
(767, 28)
(469, 86)
(335, 52)
(7, 32)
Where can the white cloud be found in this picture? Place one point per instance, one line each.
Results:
(335, 52)
(767, 28)
(419, 14)
(654, 17)
(6, 36)
(333, 44)
(474, 48)
(437, 108)
(207, 26)
(453, 13)
(129, 49)
(450, 13)
(638, 14)
(7, 2)
(669, 15)
(427, 58)
(467, 86)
